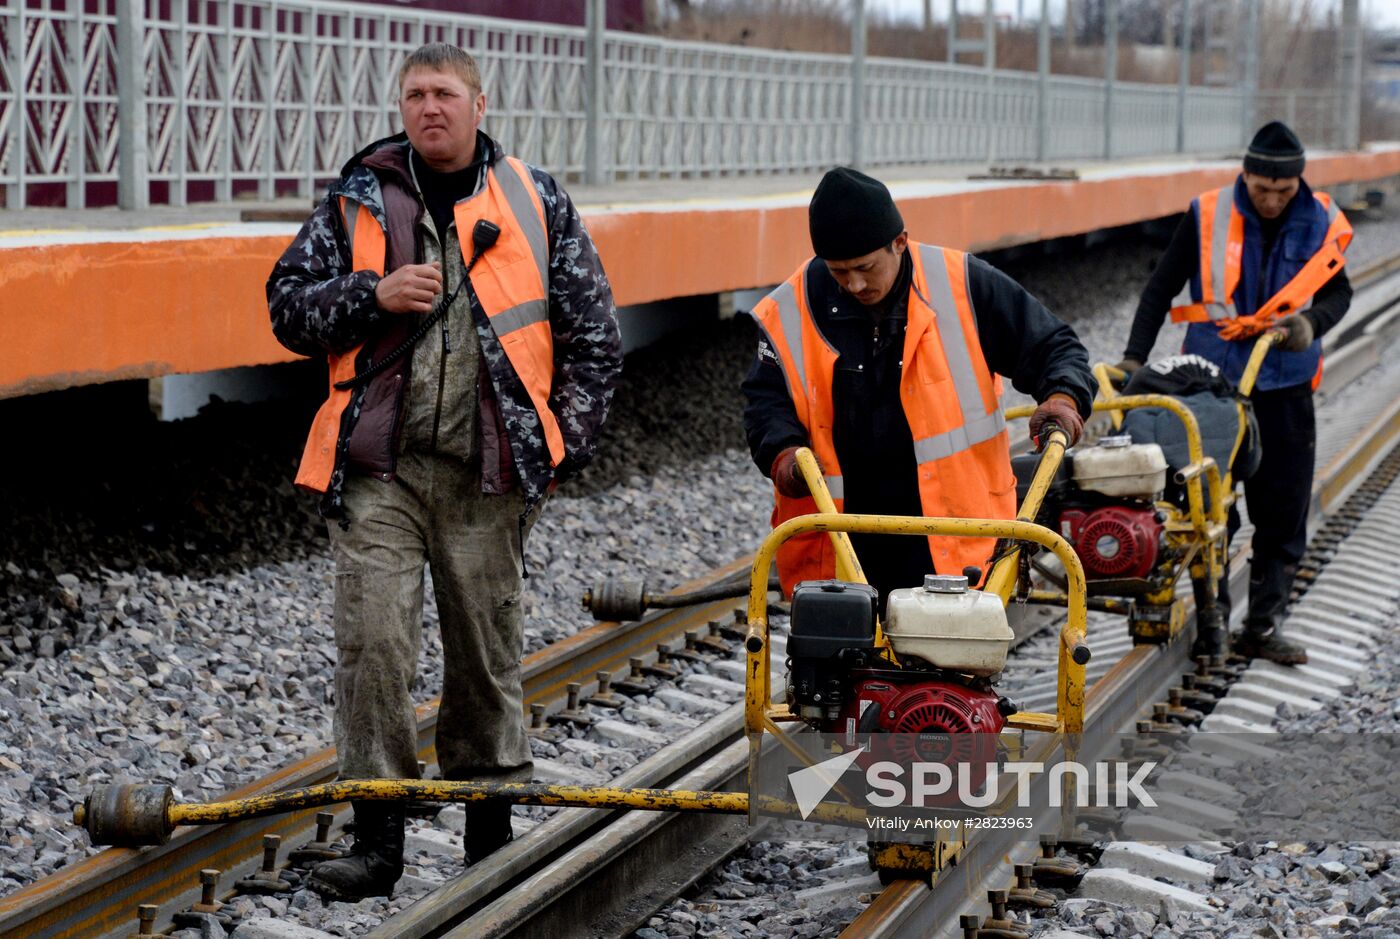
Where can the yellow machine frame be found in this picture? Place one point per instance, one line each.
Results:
(1201, 534)
(762, 716)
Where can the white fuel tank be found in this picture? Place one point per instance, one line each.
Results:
(949, 626)
(1118, 467)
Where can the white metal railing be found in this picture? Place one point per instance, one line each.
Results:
(177, 101)
(1313, 115)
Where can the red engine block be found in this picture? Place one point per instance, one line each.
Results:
(924, 722)
(1114, 541)
(935, 721)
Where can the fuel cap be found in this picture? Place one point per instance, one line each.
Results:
(945, 583)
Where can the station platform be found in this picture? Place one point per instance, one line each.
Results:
(95, 295)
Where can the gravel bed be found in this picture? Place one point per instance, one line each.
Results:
(1339, 888)
(592, 754)
(165, 594)
(167, 618)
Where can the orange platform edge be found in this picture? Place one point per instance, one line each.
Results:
(79, 313)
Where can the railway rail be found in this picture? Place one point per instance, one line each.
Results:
(628, 864)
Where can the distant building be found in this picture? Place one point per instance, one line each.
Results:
(622, 14)
(1383, 70)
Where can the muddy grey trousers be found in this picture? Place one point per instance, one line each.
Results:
(435, 514)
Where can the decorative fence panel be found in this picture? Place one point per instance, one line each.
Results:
(272, 96)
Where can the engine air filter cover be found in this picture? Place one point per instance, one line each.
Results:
(1114, 541)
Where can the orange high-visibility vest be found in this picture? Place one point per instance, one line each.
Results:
(510, 280)
(951, 400)
(1221, 231)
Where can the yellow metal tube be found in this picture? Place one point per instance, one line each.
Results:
(847, 564)
(1002, 578)
(1256, 360)
(1108, 376)
(1191, 471)
(1195, 452)
(1073, 647)
(400, 790)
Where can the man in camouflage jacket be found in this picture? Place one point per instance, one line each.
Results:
(439, 457)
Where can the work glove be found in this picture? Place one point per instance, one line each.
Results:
(1059, 409)
(1297, 333)
(787, 475)
(1128, 366)
(1242, 328)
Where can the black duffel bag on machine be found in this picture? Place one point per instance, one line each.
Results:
(1198, 384)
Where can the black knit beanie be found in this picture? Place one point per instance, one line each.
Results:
(1275, 152)
(851, 215)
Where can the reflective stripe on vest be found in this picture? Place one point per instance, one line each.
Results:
(1221, 234)
(509, 280)
(368, 250)
(951, 400)
(980, 422)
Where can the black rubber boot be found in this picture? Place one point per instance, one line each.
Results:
(1264, 641)
(375, 861)
(488, 829)
(1269, 582)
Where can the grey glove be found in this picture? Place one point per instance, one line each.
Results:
(1297, 333)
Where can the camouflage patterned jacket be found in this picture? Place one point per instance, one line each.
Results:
(319, 304)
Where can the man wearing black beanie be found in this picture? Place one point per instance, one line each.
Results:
(1275, 250)
(884, 356)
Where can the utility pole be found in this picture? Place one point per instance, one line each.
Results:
(1042, 96)
(1249, 87)
(857, 81)
(1110, 72)
(952, 54)
(1183, 81)
(1350, 77)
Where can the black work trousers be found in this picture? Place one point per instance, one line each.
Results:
(1278, 496)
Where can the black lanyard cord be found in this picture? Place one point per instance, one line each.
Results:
(484, 235)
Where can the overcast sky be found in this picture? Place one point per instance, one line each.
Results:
(1385, 13)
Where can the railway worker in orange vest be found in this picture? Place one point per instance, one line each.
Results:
(1265, 252)
(883, 355)
(473, 349)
